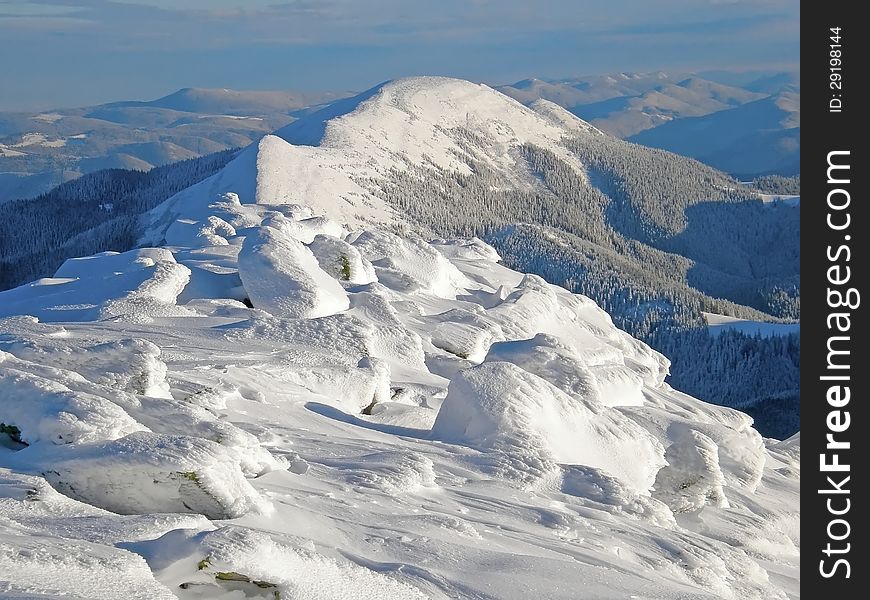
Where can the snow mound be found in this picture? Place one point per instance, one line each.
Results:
(53, 546)
(464, 333)
(184, 418)
(340, 339)
(131, 285)
(99, 265)
(44, 410)
(693, 478)
(553, 361)
(215, 231)
(497, 406)
(742, 454)
(566, 367)
(30, 506)
(147, 472)
(535, 306)
(132, 365)
(282, 277)
(306, 229)
(233, 562)
(50, 567)
(342, 261)
(389, 339)
(354, 388)
(408, 264)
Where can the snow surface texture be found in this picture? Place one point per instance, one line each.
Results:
(278, 403)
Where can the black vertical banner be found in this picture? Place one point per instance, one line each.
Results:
(835, 424)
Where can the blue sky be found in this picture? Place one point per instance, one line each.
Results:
(76, 52)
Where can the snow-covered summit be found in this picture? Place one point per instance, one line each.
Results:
(329, 159)
(284, 399)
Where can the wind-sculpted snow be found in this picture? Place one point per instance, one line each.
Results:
(132, 365)
(500, 407)
(693, 477)
(135, 285)
(367, 414)
(587, 376)
(214, 564)
(146, 472)
(283, 277)
(409, 265)
(45, 410)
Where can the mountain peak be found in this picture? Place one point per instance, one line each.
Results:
(437, 123)
(240, 102)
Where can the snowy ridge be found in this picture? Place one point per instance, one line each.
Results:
(281, 403)
(326, 158)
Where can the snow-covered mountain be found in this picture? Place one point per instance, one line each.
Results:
(288, 393)
(757, 137)
(446, 157)
(641, 231)
(329, 158)
(746, 125)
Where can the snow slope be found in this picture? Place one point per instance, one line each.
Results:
(719, 323)
(325, 159)
(277, 402)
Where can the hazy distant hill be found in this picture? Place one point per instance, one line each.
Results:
(41, 150)
(235, 102)
(755, 138)
(746, 124)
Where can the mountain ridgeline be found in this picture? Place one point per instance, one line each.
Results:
(655, 238)
(746, 126)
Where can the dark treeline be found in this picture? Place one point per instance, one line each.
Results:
(94, 213)
(777, 184)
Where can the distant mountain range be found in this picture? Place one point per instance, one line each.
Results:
(41, 150)
(744, 125)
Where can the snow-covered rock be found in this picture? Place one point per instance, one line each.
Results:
(146, 473)
(44, 410)
(133, 285)
(409, 264)
(342, 261)
(132, 365)
(500, 407)
(282, 277)
(237, 562)
(465, 333)
(49, 567)
(693, 478)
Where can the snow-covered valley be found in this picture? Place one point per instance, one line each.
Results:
(289, 394)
